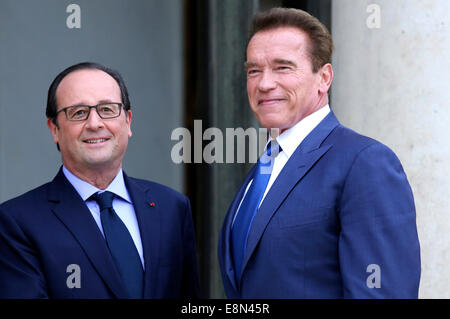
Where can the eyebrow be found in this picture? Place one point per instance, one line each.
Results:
(251, 64)
(106, 101)
(99, 102)
(283, 61)
(248, 65)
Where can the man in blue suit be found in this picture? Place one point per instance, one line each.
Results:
(94, 232)
(332, 215)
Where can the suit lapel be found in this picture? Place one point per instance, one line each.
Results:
(71, 210)
(301, 161)
(149, 219)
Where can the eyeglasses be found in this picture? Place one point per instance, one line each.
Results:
(81, 112)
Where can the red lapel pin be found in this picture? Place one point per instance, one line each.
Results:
(152, 204)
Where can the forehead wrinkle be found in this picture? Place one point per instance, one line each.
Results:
(274, 40)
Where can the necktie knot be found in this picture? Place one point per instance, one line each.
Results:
(273, 148)
(104, 200)
(266, 160)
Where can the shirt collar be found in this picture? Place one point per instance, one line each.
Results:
(86, 190)
(290, 139)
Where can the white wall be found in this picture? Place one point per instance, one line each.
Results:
(393, 84)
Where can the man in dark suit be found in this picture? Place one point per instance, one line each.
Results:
(94, 232)
(332, 215)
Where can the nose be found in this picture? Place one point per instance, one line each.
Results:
(267, 82)
(94, 121)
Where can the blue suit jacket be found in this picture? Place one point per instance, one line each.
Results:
(341, 203)
(49, 228)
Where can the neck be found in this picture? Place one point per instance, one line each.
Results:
(98, 177)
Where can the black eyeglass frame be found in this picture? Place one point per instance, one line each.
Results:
(121, 105)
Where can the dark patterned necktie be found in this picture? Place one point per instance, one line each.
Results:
(121, 246)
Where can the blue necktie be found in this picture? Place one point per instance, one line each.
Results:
(250, 204)
(121, 246)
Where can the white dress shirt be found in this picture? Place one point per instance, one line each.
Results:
(289, 140)
(122, 205)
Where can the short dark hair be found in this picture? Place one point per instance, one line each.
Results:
(52, 106)
(321, 42)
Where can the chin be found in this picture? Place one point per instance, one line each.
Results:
(97, 160)
(270, 124)
(272, 121)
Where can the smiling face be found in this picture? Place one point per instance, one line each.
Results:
(93, 144)
(281, 85)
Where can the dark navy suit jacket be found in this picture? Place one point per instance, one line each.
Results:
(47, 229)
(341, 203)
